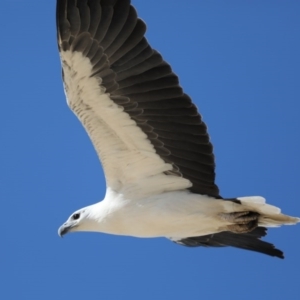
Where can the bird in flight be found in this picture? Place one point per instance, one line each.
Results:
(150, 138)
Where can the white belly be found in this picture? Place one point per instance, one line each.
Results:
(173, 214)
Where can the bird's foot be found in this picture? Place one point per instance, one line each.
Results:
(243, 222)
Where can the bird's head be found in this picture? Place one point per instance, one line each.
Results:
(80, 220)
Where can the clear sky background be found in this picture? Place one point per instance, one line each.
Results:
(240, 62)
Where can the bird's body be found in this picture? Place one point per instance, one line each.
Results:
(149, 136)
(172, 215)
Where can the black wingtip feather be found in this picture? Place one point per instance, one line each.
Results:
(248, 241)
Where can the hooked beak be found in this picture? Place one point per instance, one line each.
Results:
(65, 228)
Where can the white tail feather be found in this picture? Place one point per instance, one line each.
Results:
(270, 216)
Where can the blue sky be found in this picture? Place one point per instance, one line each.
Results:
(239, 61)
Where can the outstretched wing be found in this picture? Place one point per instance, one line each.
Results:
(146, 131)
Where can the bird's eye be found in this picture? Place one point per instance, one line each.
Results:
(75, 216)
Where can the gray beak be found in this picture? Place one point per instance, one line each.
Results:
(65, 228)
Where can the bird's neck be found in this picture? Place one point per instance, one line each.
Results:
(104, 217)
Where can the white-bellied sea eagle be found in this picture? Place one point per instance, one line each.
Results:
(153, 145)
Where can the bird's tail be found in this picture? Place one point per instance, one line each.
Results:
(269, 215)
(246, 220)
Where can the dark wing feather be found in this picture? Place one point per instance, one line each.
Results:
(248, 241)
(110, 34)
